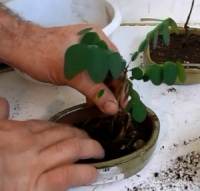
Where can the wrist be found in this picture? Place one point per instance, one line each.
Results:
(13, 32)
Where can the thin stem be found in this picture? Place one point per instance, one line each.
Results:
(188, 18)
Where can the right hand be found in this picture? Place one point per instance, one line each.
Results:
(39, 155)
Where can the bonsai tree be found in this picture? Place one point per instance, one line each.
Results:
(102, 64)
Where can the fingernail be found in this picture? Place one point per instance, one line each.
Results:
(111, 107)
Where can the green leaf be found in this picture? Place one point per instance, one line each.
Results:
(97, 64)
(84, 31)
(102, 44)
(76, 58)
(134, 95)
(145, 78)
(90, 38)
(143, 46)
(134, 56)
(165, 33)
(155, 74)
(155, 39)
(129, 106)
(137, 73)
(181, 72)
(139, 112)
(100, 93)
(116, 64)
(170, 73)
(150, 35)
(173, 25)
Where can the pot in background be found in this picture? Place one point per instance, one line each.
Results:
(192, 69)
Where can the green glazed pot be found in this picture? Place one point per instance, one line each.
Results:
(192, 69)
(120, 168)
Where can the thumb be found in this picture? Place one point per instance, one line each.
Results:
(106, 103)
(4, 108)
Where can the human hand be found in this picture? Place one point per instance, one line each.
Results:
(41, 55)
(40, 156)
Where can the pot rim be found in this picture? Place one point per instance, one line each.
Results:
(110, 163)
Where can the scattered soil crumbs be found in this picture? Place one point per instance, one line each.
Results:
(171, 90)
(182, 174)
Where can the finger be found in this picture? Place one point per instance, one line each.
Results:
(4, 108)
(59, 133)
(38, 126)
(70, 151)
(119, 89)
(106, 103)
(65, 177)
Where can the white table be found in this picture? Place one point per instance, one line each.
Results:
(178, 110)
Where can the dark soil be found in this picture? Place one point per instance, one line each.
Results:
(117, 134)
(183, 47)
(3, 67)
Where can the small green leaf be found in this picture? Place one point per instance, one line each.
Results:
(134, 95)
(155, 74)
(75, 60)
(181, 72)
(84, 31)
(145, 78)
(139, 112)
(102, 44)
(155, 39)
(90, 38)
(173, 25)
(100, 93)
(143, 46)
(116, 64)
(134, 56)
(97, 64)
(170, 73)
(150, 35)
(137, 73)
(129, 106)
(165, 33)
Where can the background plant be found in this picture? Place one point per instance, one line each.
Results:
(167, 72)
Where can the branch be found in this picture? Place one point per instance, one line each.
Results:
(188, 18)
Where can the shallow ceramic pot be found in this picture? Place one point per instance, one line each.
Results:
(123, 167)
(192, 69)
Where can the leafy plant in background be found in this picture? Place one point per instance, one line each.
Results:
(102, 64)
(166, 72)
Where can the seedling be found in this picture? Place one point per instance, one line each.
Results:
(102, 64)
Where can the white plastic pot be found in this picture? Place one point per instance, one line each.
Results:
(64, 12)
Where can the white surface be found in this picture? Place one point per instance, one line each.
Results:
(133, 10)
(64, 12)
(178, 111)
(179, 114)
